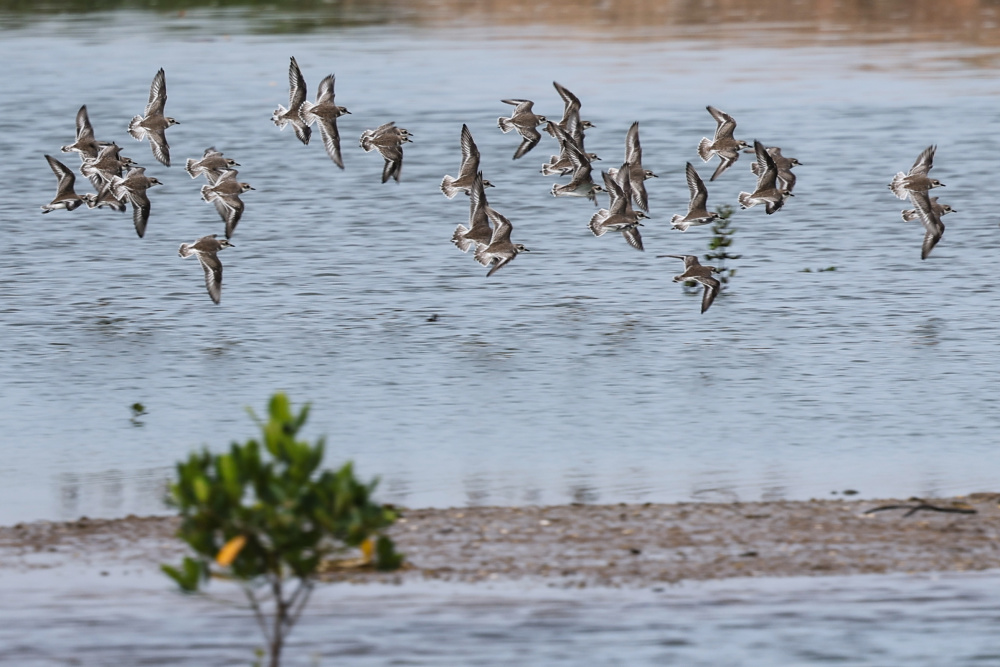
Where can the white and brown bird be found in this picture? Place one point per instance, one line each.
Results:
(133, 188)
(103, 198)
(479, 232)
(66, 197)
(225, 194)
(212, 165)
(325, 112)
(723, 144)
(582, 184)
(500, 252)
(912, 214)
(562, 164)
(786, 179)
(467, 171)
(693, 270)
(698, 213)
(571, 110)
(108, 164)
(86, 145)
(933, 227)
(767, 191)
(916, 180)
(207, 249)
(524, 120)
(637, 176)
(153, 124)
(296, 97)
(619, 216)
(388, 140)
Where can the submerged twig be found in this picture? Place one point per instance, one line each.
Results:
(921, 504)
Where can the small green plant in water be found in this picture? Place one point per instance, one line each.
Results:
(718, 249)
(138, 411)
(265, 516)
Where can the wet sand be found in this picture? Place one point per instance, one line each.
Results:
(602, 545)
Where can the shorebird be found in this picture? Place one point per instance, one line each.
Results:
(296, 97)
(933, 227)
(500, 251)
(154, 123)
(917, 179)
(108, 164)
(524, 120)
(571, 109)
(207, 249)
(723, 144)
(939, 209)
(66, 197)
(633, 156)
(698, 213)
(582, 183)
(133, 188)
(468, 169)
(767, 192)
(325, 114)
(786, 179)
(225, 194)
(693, 270)
(388, 140)
(479, 234)
(103, 199)
(562, 164)
(85, 143)
(619, 216)
(212, 164)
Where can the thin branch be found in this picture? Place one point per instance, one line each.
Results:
(294, 616)
(258, 613)
(921, 505)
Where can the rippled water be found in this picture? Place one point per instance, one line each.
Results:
(579, 372)
(863, 620)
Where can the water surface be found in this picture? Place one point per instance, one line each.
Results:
(578, 373)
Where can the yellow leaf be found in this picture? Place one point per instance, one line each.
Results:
(228, 553)
(368, 549)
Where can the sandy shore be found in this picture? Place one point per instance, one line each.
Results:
(578, 545)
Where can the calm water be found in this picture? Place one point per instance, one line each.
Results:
(579, 372)
(866, 620)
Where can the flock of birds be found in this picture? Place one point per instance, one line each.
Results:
(118, 180)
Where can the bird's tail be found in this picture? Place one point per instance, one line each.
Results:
(897, 186)
(458, 238)
(137, 132)
(448, 187)
(185, 250)
(276, 117)
(705, 149)
(596, 220)
(678, 222)
(206, 193)
(745, 200)
(189, 168)
(549, 168)
(505, 124)
(909, 214)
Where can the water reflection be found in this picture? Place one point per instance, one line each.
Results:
(111, 492)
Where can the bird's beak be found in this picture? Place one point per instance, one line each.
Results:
(253, 188)
(237, 164)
